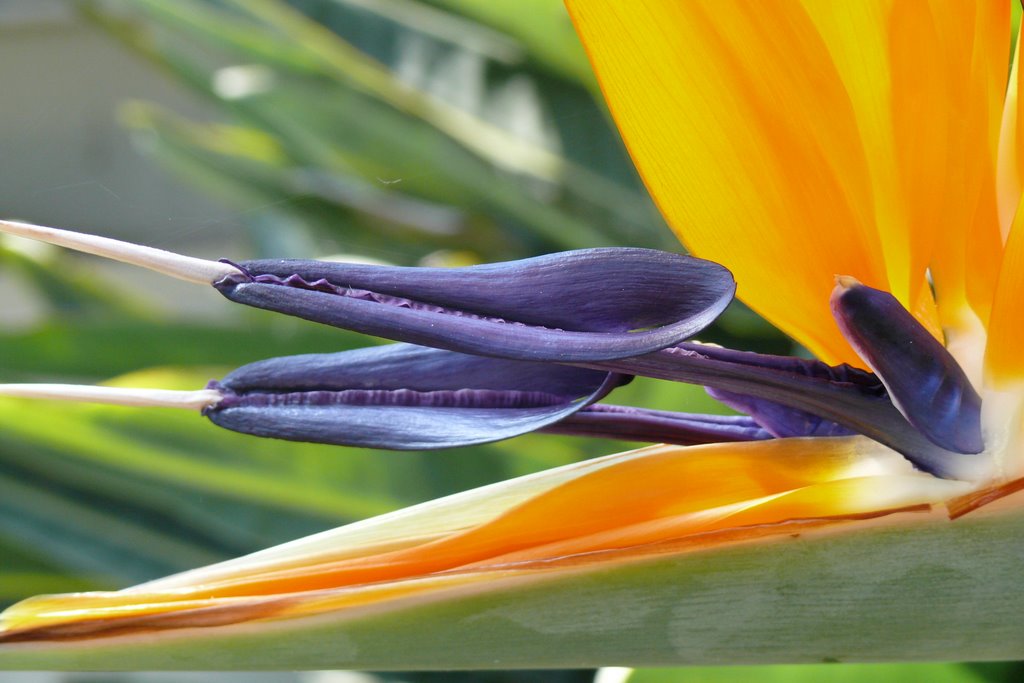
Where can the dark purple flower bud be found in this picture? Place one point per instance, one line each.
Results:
(923, 380)
(593, 304)
(402, 397)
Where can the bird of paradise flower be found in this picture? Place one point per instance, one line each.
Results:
(793, 142)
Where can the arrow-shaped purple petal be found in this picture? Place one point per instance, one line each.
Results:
(592, 304)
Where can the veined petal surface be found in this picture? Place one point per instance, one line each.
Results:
(819, 135)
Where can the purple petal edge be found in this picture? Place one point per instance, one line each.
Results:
(777, 419)
(781, 420)
(657, 426)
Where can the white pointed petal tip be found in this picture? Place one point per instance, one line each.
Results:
(185, 268)
(159, 398)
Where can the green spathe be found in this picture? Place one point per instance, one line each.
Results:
(915, 587)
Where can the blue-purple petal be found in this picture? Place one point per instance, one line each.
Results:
(402, 397)
(782, 420)
(777, 419)
(923, 380)
(658, 426)
(593, 304)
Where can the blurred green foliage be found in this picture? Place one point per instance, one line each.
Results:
(391, 128)
(445, 132)
(433, 131)
(833, 673)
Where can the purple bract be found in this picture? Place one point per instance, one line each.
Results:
(593, 304)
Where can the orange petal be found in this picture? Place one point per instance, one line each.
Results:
(975, 43)
(1003, 358)
(741, 128)
(1010, 169)
(794, 141)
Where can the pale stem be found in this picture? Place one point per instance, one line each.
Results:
(122, 396)
(182, 267)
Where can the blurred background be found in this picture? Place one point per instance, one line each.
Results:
(440, 132)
